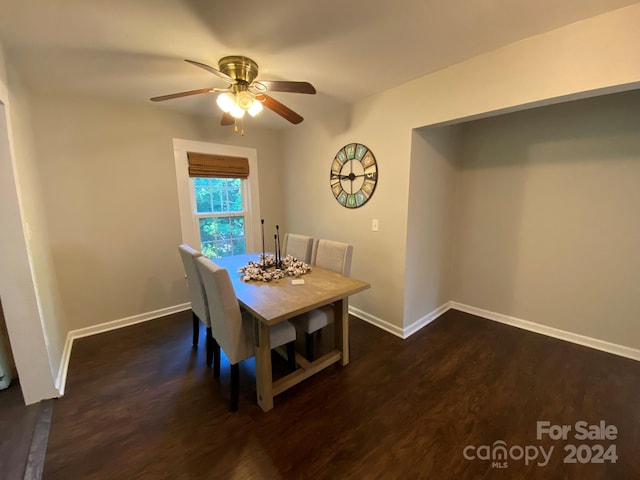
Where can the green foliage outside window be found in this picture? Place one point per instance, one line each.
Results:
(218, 195)
(220, 236)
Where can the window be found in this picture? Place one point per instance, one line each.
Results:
(218, 197)
(220, 215)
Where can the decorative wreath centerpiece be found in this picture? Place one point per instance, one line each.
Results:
(266, 269)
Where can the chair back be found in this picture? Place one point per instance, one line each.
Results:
(299, 246)
(226, 319)
(196, 289)
(335, 256)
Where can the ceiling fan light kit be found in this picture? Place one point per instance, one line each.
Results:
(244, 100)
(255, 108)
(244, 93)
(225, 101)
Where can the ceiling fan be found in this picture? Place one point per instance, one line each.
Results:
(245, 94)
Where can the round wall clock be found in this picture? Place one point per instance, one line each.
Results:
(354, 174)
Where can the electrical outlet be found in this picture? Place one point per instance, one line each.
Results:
(374, 225)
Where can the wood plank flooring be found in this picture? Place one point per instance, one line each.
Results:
(17, 422)
(141, 404)
(24, 431)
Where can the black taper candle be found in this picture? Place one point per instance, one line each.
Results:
(275, 242)
(263, 259)
(279, 252)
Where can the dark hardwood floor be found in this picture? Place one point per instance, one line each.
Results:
(140, 403)
(17, 422)
(23, 435)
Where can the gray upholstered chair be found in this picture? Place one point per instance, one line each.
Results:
(233, 329)
(199, 307)
(299, 246)
(330, 255)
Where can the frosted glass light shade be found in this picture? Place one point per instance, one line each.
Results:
(236, 111)
(226, 102)
(256, 108)
(244, 100)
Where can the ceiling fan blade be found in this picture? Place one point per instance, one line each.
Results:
(277, 107)
(181, 94)
(227, 119)
(285, 86)
(206, 67)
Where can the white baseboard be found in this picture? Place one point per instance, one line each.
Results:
(426, 320)
(394, 329)
(61, 380)
(378, 322)
(590, 342)
(403, 333)
(105, 327)
(583, 340)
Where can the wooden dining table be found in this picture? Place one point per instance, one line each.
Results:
(279, 300)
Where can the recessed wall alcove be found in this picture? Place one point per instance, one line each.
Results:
(531, 216)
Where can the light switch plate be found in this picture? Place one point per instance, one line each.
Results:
(374, 225)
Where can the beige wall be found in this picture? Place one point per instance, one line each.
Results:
(109, 184)
(34, 342)
(435, 156)
(50, 305)
(581, 59)
(547, 226)
(312, 210)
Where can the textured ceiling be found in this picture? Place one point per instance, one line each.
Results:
(348, 49)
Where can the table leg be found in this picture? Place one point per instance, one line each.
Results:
(341, 324)
(264, 384)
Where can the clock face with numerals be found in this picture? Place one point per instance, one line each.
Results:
(354, 174)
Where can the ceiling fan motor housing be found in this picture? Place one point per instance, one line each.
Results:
(242, 69)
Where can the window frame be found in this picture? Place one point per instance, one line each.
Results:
(197, 216)
(186, 194)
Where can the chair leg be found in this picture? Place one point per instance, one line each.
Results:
(235, 386)
(308, 339)
(209, 347)
(291, 356)
(216, 358)
(196, 329)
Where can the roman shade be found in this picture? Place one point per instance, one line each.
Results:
(220, 166)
